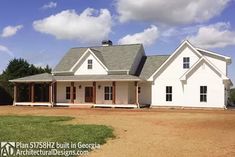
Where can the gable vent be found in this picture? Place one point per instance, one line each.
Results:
(107, 43)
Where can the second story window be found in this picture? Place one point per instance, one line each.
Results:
(186, 62)
(89, 64)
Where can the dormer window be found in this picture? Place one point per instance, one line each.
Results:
(89, 64)
(186, 62)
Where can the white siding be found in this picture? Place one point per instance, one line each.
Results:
(122, 92)
(97, 68)
(61, 92)
(145, 93)
(221, 65)
(188, 94)
(100, 93)
(125, 92)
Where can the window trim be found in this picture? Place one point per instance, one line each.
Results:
(203, 93)
(67, 93)
(169, 93)
(108, 93)
(186, 62)
(89, 64)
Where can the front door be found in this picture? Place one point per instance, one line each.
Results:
(88, 94)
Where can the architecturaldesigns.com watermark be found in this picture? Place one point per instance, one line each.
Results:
(46, 148)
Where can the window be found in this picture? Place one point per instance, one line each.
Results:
(89, 64)
(168, 93)
(203, 93)
(108, 93)
(68, 92)
(186, 62)
(139, 90)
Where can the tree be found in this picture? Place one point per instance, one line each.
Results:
(16, 68)
(232, 95)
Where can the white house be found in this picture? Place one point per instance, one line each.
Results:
(123, 76)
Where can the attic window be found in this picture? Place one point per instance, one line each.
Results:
(89, 64)
(186, 62)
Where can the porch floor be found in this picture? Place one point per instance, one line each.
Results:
(86, 105)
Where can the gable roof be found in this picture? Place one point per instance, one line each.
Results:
(215, 55)
(115, 57)
(151, 64)
(96, 54)
(205, 60)
(184, 43)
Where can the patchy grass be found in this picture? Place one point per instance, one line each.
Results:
(51, 129)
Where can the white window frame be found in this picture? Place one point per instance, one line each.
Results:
(89, 64)
(169, 93)
(108, 93)
(203, 93)
(186, 62)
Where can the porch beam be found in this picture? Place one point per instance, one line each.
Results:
(94, 92)
(136, 94)
(71, 92)
(114, 92)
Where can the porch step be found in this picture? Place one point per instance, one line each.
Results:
(80, 106)
(116, 105)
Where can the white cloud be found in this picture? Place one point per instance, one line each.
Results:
(49, 5)
(147, 37)
(11, 30)
(90, 26)
(6, 50)
(170, 12)
(216, 35)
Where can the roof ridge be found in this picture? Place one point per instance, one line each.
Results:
(156, 55)
(105, 46)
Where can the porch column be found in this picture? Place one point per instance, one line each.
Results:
(55, 93)
(32, 92)
(50, 93)
(29, 86)
(114, 92)
(136, 94)
(15, 93)
(94, 92)
(71, 92)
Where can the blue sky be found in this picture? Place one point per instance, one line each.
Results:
(42, 31)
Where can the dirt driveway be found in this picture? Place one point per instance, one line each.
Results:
(155, 132)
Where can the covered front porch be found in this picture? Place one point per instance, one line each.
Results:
(54, 91)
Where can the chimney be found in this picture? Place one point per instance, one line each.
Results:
(107, 43)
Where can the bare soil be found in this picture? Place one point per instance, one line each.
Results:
(153, 132)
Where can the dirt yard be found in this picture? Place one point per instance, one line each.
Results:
(153, 132)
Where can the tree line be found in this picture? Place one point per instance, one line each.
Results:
(16, 68)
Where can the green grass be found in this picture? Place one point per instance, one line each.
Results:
(50, 129)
